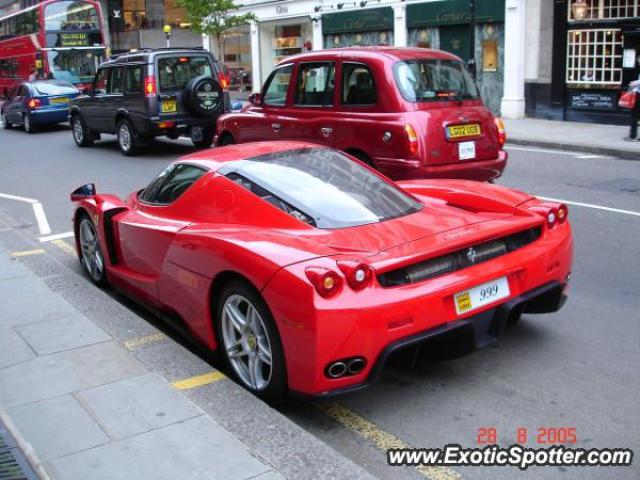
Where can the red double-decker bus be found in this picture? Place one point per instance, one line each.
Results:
(60, 39)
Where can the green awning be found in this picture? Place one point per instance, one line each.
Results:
(368, 20)
(453, 12)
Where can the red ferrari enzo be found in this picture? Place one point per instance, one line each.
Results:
(306, 268)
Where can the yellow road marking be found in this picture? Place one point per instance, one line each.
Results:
(65, 247)
(199, 380)
(380, 438)
(25, 253)
(142, 341)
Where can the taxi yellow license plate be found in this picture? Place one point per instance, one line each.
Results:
(55, 101)
(169, 105)
(461, 131)
(481, 295)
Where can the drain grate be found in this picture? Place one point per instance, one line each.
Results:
(13, 465)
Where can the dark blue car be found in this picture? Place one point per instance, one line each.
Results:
(41, 102)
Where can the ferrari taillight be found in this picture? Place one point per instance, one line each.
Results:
(553, 213)
(326, 282)
(412, 139)
(150, 86)
(502, 133)
(358, 275)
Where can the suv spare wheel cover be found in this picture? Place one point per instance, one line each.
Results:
(205, 95)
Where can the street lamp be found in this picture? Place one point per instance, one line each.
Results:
(167, 31)
(580, 9)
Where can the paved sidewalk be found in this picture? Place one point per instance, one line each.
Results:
(585, 137)
(83, 407)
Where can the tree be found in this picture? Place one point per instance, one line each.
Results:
(214, 17)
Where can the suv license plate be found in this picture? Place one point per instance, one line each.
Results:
(481, 295)
(169, 105)
(196, 134)
(467, 150)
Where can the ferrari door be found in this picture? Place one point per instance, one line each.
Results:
(146, 231)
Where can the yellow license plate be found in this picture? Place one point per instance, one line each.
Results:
(169, 105)
(54, 101)
(461, 131)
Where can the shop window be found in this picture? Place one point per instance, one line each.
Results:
(175, 15)
(594, 57)
(602, 9)
(358, 86)
(275, 92)
(315, 84)
(489, 56)
(134, 14)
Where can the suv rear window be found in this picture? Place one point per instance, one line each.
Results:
(434, 80)
(176, 72)
(321, 187)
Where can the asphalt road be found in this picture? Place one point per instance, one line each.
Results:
(576, 368)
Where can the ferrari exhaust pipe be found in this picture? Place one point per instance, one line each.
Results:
(355, 365)
(336, 369)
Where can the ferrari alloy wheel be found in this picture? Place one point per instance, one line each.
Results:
(81, 134)
(90, 251)
(249, 341)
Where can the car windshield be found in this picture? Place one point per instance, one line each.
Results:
(54, 88)
(428, 80)
(75, 66)
(322, 185)
(176, 72)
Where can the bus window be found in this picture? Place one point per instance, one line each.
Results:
(70, 15)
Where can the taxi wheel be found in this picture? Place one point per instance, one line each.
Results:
(29, 127)
(249, 341)
(128, 140)
(5, 122)
(81, 134)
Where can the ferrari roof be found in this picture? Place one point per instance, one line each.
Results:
(214, 158)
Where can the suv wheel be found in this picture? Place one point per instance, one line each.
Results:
(81, 134)
(207, 138)
(5, 122)
(127, 138)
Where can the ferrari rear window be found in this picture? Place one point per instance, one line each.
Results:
(321, 187)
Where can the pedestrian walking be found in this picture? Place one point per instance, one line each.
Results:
(635, 112)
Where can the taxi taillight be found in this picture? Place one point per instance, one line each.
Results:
(412, 139)
(502, 133)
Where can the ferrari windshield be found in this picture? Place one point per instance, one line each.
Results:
(323, 185)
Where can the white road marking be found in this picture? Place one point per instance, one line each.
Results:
(541, 150)
(590, 205)
(57, 236)
(38, 211)
(589, 156)
(41, 218)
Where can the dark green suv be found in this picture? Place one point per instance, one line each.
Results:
(150, 93)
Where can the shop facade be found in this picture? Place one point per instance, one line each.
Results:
(595, 47)
(288, 27)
